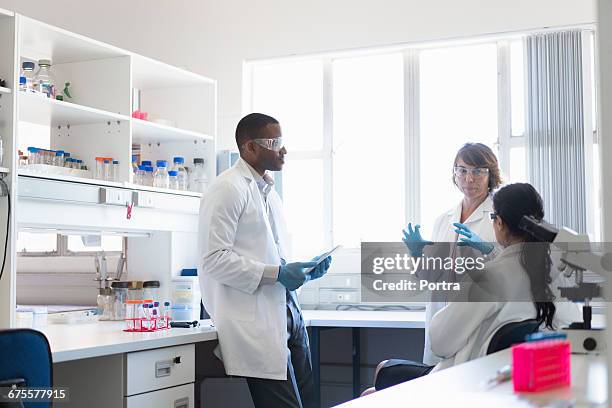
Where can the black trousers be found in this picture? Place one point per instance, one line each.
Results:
(397, 371)
(297, 391)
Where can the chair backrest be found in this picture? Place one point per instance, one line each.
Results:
(25, 358)
(512, 333)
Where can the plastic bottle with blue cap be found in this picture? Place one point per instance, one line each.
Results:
(161, 178)
(181, 174)
(172, 174)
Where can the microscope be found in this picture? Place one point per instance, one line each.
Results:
(577, 257)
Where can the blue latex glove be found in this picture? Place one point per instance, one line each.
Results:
(471, 239)
(321, 269)
(293, 275)
(414, 241)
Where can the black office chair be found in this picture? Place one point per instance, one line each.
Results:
(512, 333)
(504, 337)
(25, 361)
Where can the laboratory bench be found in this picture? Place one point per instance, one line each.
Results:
(136, 368)
(466, 385)
(105, 366)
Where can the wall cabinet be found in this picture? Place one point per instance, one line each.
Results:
(106, 85)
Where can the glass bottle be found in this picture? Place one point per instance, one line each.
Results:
(148, 178)
(181, 174)
(161, 178)
(26, 77)
(45, 79)
(199, 179)
(172, 174)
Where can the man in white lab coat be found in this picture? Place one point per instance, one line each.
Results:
(247, 286)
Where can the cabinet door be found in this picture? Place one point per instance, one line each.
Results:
(175, 397)
(160, 368)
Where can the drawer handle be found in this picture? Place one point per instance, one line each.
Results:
(163, 368)
(182, 403)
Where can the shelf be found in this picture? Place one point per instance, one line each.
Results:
(36, 108)
(40, 40)
(4, 170)
(145, 131)
(4, 90)
(161, 190)
(60, 177)
(150, 74)
(131, 186)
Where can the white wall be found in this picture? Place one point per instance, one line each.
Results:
(214, 37)
(605, 120)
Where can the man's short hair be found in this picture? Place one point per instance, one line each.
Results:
(250, 127)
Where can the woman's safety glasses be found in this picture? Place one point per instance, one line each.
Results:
(477, 172)
(271, 144)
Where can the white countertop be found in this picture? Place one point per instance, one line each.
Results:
(86, 340)
(78, 341)
(465, 386)
(408, 319)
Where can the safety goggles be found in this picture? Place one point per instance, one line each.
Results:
(477, 172)
(271, 144)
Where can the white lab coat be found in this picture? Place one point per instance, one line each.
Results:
(461, 331)
(236, 242)
(444, 231)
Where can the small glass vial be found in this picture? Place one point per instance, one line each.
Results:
(115, 171)
(66, 159)
(167, 313)
(106, 170)
(99, 168)
(59, 158)
(32, 155)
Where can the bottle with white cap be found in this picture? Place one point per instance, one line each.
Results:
(44, 78)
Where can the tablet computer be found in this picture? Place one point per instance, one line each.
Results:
(323, 256)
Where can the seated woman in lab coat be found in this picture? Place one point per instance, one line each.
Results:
(516, 286)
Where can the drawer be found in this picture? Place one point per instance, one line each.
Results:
(340, 281)
(338, 296)
(175, 397)
(160, 368)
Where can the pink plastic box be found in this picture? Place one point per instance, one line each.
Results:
(541, 365)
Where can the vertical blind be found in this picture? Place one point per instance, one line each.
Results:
(555, 125)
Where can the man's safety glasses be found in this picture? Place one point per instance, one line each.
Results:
(271, 144)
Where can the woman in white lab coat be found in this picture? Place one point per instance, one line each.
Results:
(476, 174)
(516, 285)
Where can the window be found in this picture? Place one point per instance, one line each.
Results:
(458, 87)
(292, 92)
(517, 85)
(345, 117)
(368, 149)
(76, 245)
(28, 242)
(51, 244)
